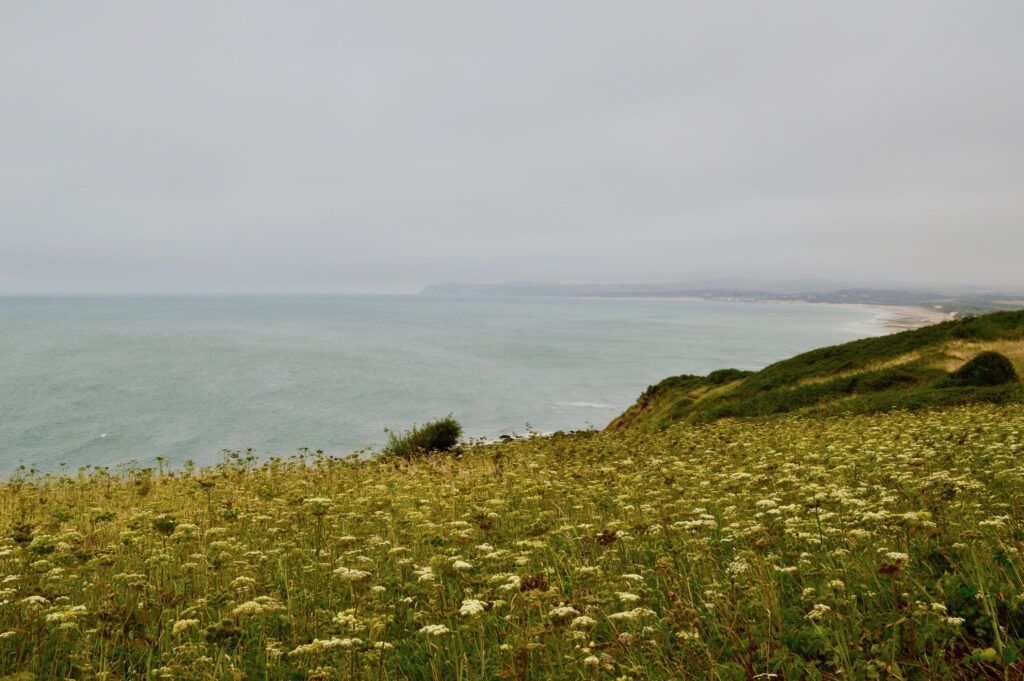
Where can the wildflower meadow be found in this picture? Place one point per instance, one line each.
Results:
(851, 547)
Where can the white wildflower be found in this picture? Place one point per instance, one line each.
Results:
(583, 622)
(818, 612)
(317, 505)
(350, 575)
(182, 626)
(248, 609)
(425, 574)
(320, 645)
(630, 615)
(563, 612)
(434, 630)
(737, 567)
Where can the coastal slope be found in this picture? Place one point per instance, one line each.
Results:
(911, 369)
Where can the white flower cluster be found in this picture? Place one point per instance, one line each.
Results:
(630, 615)
(434, 630)
(818, 612)
(181, 626)
(320, 645)
(350, 575)
(563, 612)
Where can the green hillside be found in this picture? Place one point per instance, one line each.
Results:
(912, 369)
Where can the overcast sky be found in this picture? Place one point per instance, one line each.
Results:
(302, 146)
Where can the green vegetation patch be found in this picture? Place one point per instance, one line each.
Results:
(986, 369)
(437, 436)
(902, 370)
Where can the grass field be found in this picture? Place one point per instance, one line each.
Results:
(864, 546)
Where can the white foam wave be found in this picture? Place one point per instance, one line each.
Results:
(588, 405)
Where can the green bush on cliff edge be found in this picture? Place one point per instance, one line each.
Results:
(437, 436)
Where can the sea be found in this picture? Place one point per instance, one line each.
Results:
(112, 381)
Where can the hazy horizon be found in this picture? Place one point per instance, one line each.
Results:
(318, 148)
(770, 285)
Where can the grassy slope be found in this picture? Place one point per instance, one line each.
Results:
(900, 370)
(870, 547)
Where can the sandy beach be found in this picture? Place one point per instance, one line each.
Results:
(887, 318)
(893, 318)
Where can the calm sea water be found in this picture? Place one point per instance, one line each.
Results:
(108, 380)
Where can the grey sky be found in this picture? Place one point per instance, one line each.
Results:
(198, 146)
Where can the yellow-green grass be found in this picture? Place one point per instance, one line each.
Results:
(879, 546)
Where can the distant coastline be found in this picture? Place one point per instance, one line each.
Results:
(887, 318)
(904, 308)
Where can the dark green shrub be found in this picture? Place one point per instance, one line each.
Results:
(987, 368)
(437, 436)
(727, 375)
(683, 382)
(897, 377)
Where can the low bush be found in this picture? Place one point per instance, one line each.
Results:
(727, 375)
(437, 436)
(987, 368)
